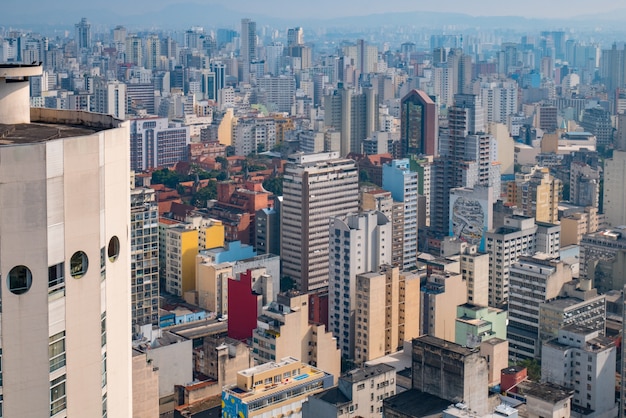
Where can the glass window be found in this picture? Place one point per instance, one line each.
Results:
(113, 250)
(56, 278)
(56, 351)
(58, 400)
(79, 264)
(20, 279)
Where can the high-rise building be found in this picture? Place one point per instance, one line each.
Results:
(153, 52)
(316, 188)
(83, 35)
(295, 36)
(533, 281)
(65, 257)
(538, 194)
(614, 200)
(387, 312)
(134, 50)
(505, 245)
(597, 120)
(277, 93)
(441, 294)
(402, 183)
(110, 98)
(418, 124)
(248, 47)
(603, 259)
(283, 330)
(144, 268)
(583, 360)
(154, 144)
(358, 243)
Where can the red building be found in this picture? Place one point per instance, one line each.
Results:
(244, 307)
(510, 377)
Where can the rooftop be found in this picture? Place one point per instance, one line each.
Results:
(440, 343)
(26, 133)
(414, 403)
(545, 391)
(366, 372)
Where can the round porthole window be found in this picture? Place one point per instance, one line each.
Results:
(113, 249)
(20, 279)
(79, 264)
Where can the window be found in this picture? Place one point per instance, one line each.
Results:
(113, 250)
(104, 369)
(56, 351)
(20, 279)
(56, 279)
(103, 329)
(79, 264)
(58, 399)
(104, 406)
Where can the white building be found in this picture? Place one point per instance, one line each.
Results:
(358, 243)
(583, 360)
(110, 98)
(65, 259)
(614, 192)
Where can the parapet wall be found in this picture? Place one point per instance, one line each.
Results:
(97, 121)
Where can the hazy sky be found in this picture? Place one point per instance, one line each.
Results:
(336, 8)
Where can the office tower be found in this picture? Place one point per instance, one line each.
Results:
(533, 281)
(612, 68)
(267, 229)
(83, 35)
(283, 330)
(598, 121)
(505, 245)
(295, 36)
(353, 114)
(65, 258)
(248, 47)
(153, 144)
(316, 188)
(269, 389)
(387, 312)
(539, 194)
(144, 268)
(153, 52)
(499, 99)
(402, 183)
(141, 98)
(254, 135)
(110, 98)
(358, 243)
(614, 200)
(583, 360)
(603, 259)
(277, 93)
(465, 379)
(460, 71)
(418, 124)
(134, 50)
(547, 118)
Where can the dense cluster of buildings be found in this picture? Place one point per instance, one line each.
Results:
(239, 226)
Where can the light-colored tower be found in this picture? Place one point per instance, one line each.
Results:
(65, 257)
(358, 243)
(134, 50)
(83, 35)
(110, 98)
(153, 52)
(614, 190)
(316, 188)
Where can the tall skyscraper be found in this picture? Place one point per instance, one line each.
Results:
(316, 188)
(248, 47)
(418, 124)
(402, 183)
(65, 257)
(295, 37)
(83, 35)
(144, 268)
(359, 243)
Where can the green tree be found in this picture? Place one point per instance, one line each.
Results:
(533, 368)
(274, 185)
(167, 177)
(202, 196)
(287, 283)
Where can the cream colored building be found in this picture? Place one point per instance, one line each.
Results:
(614, 191)
(441, 294)
(386, 312)
(212, 285)
(475, 270)
(273, 389)
(496, 351)
(145, 387)
(538, 194)
(284, 330)
(65, 258)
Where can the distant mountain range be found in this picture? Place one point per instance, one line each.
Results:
(184, 15)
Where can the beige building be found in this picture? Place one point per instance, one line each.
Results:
(64, 257)
(212, 285)
(386, 312)
(614, 193)
(273, 389)
(284, 330)
(145, 387)
(537, 193)
(496, 351)
(441, 294)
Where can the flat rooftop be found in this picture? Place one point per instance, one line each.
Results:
(367, 372)
(545, 391)
(26, 133)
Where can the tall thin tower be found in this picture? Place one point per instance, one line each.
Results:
(248, 47)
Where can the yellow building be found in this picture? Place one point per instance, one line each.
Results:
(273, 389)
(180, 266)
(537, 194)
(284, 330)
(212, 285)
(387, 312)
(225, 129)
